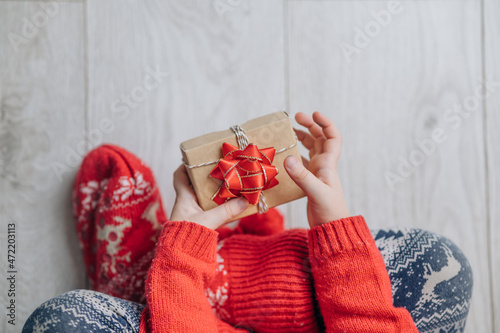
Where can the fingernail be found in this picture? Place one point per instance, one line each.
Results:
(291, 161)
(242, 203)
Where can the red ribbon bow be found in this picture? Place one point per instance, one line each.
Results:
(245, 172)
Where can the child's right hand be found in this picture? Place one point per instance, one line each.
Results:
(318, 178)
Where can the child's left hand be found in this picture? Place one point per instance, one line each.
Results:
(318, 178)
(186, 207)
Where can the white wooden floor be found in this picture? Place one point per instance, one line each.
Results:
(67, 72)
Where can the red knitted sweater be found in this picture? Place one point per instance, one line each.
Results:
(329, 277)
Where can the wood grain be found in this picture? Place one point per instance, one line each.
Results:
(224, 66)
(492, 123)
(41, 116)
(220, 63)
(393, 94)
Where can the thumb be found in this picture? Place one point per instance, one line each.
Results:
(226, 212)
(303, 178)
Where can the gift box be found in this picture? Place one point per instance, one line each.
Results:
(245, 160)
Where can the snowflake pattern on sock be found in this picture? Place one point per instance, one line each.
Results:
(85, 311)
(135, 185)
(118, 213)
(111, 235)
(430, 277)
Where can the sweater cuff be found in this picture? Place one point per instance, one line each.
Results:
(330, 239)
(191, 238)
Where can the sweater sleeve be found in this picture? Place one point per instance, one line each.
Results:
(351, 281)
(183, 265)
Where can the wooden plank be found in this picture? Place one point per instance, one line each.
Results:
(221, 63)
(389, 90)
(492, 122)
(41, 118)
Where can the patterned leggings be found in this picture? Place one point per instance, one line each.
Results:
(430, 277)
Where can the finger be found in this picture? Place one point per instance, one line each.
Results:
(332, 146)
(329, 128)
(307, 121)
(181, 182)
(331, 132)
(307, 140)
(311, 152)
(318, 145)
(304, 137)
(305, 161)
(226, 212)
(180, 177)
(311, 185)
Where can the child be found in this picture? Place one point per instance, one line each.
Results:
(203, 277)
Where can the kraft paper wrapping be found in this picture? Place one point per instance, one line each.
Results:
(274, 130)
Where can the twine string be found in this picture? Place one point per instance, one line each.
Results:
(217, 161)
(241, 136)
(242, 139)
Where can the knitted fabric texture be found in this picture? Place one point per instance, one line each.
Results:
(118, 214)
(421, 265)
(297, 281)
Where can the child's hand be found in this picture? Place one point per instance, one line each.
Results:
(318, 178)
(186, 207)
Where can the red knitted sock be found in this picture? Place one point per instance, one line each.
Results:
(267, 224)
(118, 212)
